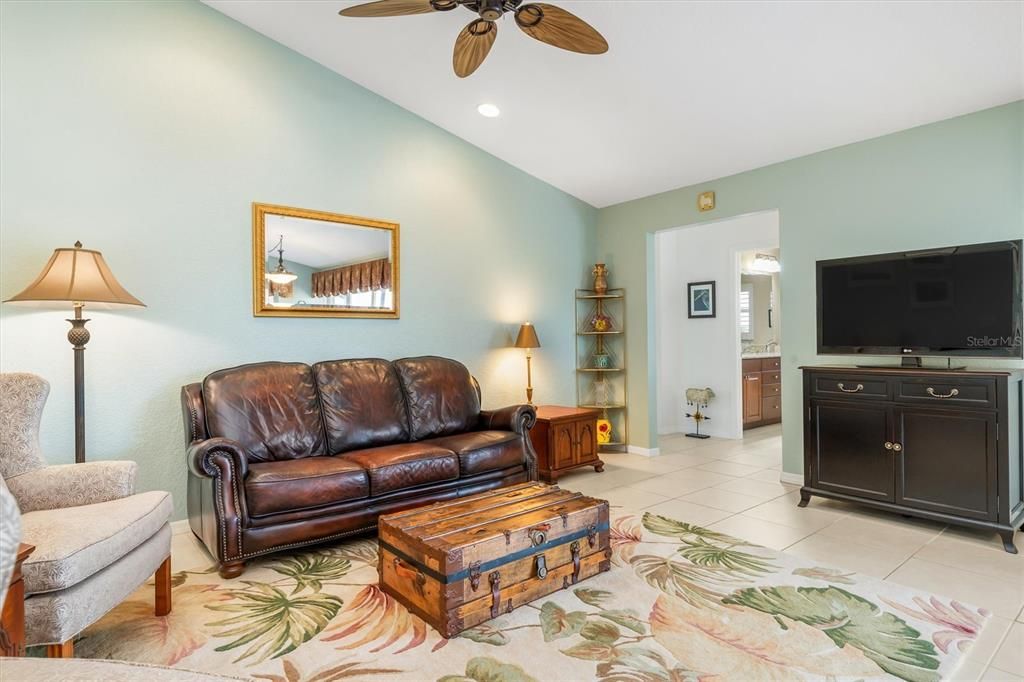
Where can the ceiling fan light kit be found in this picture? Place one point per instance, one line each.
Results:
(547, 23)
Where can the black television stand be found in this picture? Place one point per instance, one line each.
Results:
(925, 442)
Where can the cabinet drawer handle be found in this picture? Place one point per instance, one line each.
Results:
(888, 445)
(896, 447)
(952, 394)
(753, 378)
(858, 389)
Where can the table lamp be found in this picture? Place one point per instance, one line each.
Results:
(77, 276)
(527, 338)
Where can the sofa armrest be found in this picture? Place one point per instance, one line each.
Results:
(224, 464)
(72, 485)
(518, 418)
(206, 458)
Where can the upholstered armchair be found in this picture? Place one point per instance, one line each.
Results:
(96, 540)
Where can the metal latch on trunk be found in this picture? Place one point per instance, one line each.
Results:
(539, 534)
(542, 567)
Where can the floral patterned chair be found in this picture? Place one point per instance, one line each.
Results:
(10, 537)
(46, 670)
(96, 541)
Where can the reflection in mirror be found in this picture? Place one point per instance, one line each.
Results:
(323, 264)
(758, 301)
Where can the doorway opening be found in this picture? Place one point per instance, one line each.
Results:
(759, 327)
(701, 348)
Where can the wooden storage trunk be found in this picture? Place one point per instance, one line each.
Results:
(457, 564)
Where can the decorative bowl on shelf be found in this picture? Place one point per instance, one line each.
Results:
(602, 361)
(601, 323)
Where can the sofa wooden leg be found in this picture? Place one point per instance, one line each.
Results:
(62, 650)
(231, 569)
(163, 588)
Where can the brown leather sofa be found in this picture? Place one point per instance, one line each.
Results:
(282, 455)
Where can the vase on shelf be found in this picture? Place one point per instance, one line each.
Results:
(600, 279)
(601, 361)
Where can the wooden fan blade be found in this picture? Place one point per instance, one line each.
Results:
(388, 8)
(555, 26)
(472, 46)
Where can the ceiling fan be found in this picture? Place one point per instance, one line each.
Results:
(547, 23)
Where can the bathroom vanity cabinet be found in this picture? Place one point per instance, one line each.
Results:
(762, 391)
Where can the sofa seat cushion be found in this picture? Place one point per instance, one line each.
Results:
(73, 543)
(405, 465)
(290, 485)
(483, 451)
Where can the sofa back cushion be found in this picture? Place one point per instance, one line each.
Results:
(363, 404)
(441, 396)
(271, 408)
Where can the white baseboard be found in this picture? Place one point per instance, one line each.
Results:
(795, 479)
(646, 452)
(179, 527)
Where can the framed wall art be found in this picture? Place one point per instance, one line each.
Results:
(700, 298)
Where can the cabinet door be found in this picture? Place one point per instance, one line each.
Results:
(563, 445)
(847, 449)
(586, 441)
(948, 461)
(751, 397)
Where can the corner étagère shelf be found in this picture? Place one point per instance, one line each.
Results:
(601, 360)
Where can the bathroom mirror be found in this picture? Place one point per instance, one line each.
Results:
(317, 264)
(756, 309)
(759, 301)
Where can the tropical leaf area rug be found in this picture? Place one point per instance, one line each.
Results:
(680, 603)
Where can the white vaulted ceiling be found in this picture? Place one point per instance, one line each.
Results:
(688, 92)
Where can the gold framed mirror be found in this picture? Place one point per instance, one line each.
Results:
(316, 264)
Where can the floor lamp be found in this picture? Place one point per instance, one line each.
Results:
(77, 276)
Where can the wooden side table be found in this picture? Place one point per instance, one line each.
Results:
(12, 618)
(565, 438)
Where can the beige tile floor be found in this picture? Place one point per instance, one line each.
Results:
(733, 485)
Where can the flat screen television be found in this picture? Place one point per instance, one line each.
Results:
(957, 301)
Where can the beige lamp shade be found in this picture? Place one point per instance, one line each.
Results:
(77, 275)
(527, 337)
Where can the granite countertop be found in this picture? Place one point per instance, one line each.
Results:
(764, 354)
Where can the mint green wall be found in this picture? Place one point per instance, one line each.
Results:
(952, 182)
(146, 130)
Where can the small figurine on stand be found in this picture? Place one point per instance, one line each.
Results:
(699, 397)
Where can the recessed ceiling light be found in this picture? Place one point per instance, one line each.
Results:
(489, 110)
